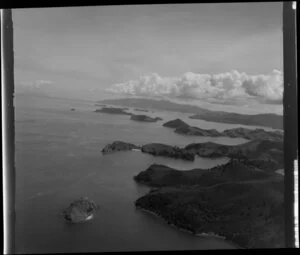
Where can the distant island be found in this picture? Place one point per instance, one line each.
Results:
(79, 211)
(113, 110)
(119, 146)
(144, 118)
(265, 120)
(122, 111)
(181, 127)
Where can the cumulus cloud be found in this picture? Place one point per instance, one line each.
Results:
(222, 87)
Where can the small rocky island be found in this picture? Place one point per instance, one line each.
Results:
(113, 110)
(144, 118)
(119, 146)
(81, 210)
(122, 111)
(181, 127)
(234, 201)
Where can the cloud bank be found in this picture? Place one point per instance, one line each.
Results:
(35, 84)
(218, 88)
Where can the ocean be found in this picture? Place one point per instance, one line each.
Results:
(58, 159)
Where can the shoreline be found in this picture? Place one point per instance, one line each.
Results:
(201, 235)
(88, 218)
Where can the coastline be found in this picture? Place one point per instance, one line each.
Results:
(139, 150)
(88, 218)
(201, 235)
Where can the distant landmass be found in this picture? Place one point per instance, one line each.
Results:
(181, 127)
(122, 111)
(265, 120)
(163, 105)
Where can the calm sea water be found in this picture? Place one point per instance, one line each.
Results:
(58, 159)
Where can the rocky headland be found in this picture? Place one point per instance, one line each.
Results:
(261, 154)
(234, 171)
(182, 127)
(155, 149)
(264, 154)
(158, 149)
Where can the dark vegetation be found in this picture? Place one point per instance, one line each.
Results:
(236, 201)
(234, 171)
(251, 214)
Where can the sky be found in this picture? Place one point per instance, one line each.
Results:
(226, 55)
